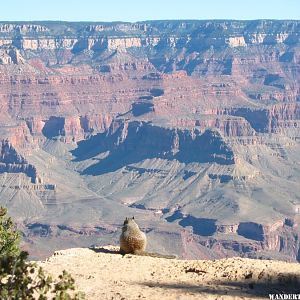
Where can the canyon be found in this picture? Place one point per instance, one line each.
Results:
(190, 126)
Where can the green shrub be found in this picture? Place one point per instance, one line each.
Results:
(9, 236)
(20, 279)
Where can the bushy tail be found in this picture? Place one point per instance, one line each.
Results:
(153, 254)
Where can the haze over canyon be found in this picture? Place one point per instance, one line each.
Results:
(190, 126)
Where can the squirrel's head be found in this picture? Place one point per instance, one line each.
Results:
(129, 222)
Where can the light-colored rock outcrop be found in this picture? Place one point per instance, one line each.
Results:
(102, 273)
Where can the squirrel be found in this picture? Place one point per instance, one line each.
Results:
(134, 241)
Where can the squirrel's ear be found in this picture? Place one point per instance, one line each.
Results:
(133, 218)
(126, 219)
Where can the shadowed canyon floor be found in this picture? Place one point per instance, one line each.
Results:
(102, 273)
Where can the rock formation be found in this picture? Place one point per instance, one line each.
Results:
(102, 273)
(192, 126)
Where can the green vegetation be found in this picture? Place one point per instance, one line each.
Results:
(20, 279)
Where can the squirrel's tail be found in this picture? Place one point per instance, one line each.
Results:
(153, 254)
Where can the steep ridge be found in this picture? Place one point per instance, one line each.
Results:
(192, 126)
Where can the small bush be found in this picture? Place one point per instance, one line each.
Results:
(9, 236)
(20, 279)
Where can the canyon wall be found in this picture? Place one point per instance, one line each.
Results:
(193, 126)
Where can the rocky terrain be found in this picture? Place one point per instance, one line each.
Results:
(191, 126)
(102, 273)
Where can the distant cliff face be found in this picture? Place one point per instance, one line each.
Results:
(174, 34)
(191, 122)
